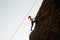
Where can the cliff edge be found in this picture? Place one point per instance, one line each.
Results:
(47, 21)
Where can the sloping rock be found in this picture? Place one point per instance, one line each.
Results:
(47, 25)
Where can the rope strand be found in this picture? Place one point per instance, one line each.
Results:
(23, 21)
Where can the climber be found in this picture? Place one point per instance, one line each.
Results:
(32, 21)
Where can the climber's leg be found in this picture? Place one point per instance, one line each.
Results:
(32, 24)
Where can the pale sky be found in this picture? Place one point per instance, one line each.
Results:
(12, 12)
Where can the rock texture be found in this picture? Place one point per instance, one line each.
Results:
(47, 25)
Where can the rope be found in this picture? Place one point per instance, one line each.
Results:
(22, 21)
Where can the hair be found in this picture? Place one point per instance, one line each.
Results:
(29, 17)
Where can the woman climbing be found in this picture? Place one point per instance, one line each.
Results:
(32, 21)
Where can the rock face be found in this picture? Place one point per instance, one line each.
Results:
(47, 25)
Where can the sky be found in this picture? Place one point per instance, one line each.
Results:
(12, 13)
